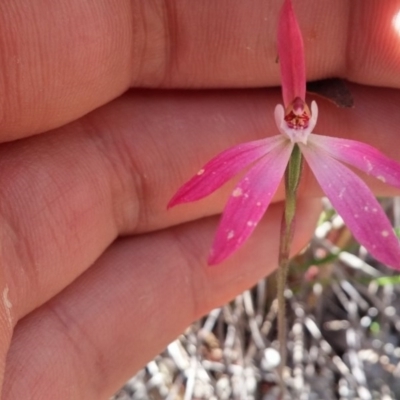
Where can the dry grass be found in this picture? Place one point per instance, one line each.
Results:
(343, 340)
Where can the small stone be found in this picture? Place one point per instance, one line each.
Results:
(271, 359)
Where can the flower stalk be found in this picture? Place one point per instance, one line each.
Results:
(292, 181)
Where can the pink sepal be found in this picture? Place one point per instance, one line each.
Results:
(362, 156)
(356, 204)
(222, 168)
(248, 203)
(291, 55)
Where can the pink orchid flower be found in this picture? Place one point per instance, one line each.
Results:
(268, 158)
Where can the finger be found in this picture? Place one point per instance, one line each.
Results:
(60, 60)
(137, 298)
(65, 196)
(65, 60)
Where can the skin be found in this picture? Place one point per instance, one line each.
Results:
(96, 276)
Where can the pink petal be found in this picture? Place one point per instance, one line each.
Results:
(291, 55)
(362, 156)
(353, 200)
(222, 168)
(248, 202)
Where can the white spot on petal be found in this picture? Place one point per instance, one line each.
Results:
(369, 165)
(231, 235)
(258, 204)
(201, 172)
(237, 192)
(385, 233)
(381, 178)
(250, 223)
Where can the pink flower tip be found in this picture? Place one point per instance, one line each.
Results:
(291, 55)
(173, 202)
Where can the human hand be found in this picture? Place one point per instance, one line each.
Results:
(97, 277)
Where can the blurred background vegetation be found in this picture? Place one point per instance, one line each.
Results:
(343, 338)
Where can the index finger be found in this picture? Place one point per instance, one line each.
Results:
(60, 60)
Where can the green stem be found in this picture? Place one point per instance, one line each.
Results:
(292, 180)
